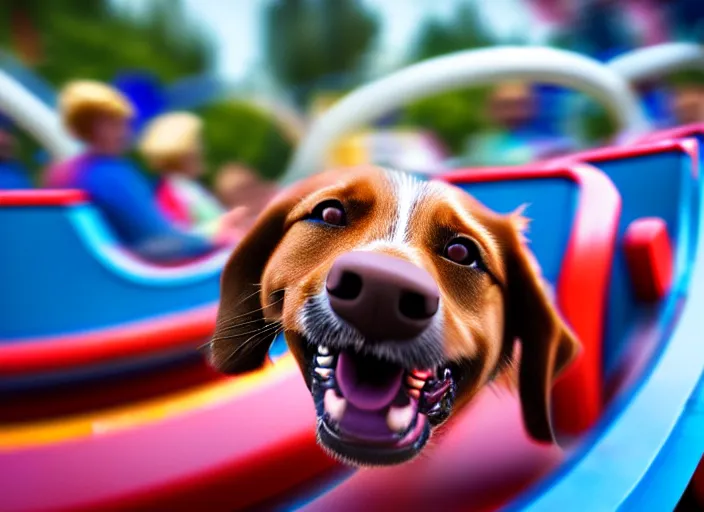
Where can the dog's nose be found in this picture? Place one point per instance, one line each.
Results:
(383, 297)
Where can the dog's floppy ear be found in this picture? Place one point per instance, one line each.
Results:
(242, 337)
(547, 343)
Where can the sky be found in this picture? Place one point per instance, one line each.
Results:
(235, 25)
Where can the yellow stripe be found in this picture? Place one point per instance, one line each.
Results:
(140, 414)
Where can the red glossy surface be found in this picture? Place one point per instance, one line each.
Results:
(179, 330)
(40, 197)
(74, 398)
(698, 484)
(688, 146)
(649, 255)
(227, 456)
(678, 132)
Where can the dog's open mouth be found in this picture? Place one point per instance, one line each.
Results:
(372, 411)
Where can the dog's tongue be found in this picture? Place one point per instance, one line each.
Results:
(366, 382)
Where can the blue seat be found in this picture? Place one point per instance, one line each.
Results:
(650, 441)
(654, 181)
(62, 271)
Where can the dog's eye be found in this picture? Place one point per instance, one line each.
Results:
(330, 212)
(463, 251)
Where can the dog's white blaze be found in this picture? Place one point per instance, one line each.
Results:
(408, 190)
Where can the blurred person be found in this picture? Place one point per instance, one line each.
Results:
(512, 105)
(512, 109)
(239, 186)
(100, 116)
(172, 147)
(688, 103)
(13, 175)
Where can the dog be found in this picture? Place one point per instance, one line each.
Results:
(399, 299)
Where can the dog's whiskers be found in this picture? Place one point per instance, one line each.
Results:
(232, 321)
(250, 343)
(235, 335)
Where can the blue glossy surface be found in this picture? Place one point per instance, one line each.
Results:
(62, 271)
(646, 447)
(657, 185)
(13, 176)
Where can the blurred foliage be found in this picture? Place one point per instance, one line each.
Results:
(456, 115)
(596, 124)
(453, 116)
(308, 43)
(462, 31)
(237, 131)
(91, 39)
(686, 78)
(600, 30)
(687, 19)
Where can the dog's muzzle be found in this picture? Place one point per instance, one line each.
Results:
(375, 401)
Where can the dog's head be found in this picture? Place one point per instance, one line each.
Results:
(399, 300)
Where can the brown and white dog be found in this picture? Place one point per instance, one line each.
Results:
(399, 299)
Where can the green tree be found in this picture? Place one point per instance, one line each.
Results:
(92, 39)
(310, 42)
(464, 30)
(237, 131)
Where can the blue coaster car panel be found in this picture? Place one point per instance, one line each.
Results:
(649, 443)
(13, 176)
(654, 180)
(62, 271)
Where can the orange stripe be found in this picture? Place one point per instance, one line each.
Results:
(141, 414)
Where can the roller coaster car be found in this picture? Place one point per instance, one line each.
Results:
(72, 297)
(614, 232)
(64, 272)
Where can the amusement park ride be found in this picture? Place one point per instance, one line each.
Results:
(107, 402)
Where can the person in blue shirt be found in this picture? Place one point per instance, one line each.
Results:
(100, 116)
(515, 139)
(13, 175)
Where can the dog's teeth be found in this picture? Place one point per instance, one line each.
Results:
(325, 373)
(398, 419)
(413, 393)
(422, 374)
(324, 360)
(323, 350)
(334, 405)
(415, 383)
